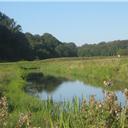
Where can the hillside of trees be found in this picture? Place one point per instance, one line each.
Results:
(47, 46)
(104, 49)
(16, 45)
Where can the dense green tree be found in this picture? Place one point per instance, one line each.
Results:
(103, 48)
(33, 39)
(13, 46)
(66, 50)
(9, 23)
(13, 43)
(50, 43)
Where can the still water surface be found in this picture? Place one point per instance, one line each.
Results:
(67, 90)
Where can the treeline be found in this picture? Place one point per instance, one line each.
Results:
(112, 48)
(13, 43)
(16, 45)
(47, 46)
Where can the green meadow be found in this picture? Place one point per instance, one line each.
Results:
(25, 111)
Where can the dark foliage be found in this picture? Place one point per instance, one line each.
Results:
(47, 46)
(13, 46)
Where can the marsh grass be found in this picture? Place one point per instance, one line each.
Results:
(106, 114)
(48, 114)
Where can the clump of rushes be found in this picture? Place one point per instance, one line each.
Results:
(3, 111)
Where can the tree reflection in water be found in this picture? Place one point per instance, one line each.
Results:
(37, 81)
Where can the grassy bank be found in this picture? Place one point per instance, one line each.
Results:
(49, 114)
(92, 71)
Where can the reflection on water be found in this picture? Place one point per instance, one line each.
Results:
(63, 90)
(37, 82)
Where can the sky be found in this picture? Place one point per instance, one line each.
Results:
(79, 22)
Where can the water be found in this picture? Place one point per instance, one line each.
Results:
(67, 90)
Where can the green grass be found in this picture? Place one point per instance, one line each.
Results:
(49, 114)
(92, 71)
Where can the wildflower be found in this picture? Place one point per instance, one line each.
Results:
(111, 97)
(118, 55)
(107, 83)
(3, 111)
(116, 108)
(99, 105)
(24, 120)
(126, 93)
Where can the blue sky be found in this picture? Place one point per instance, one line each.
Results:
(79, 22)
